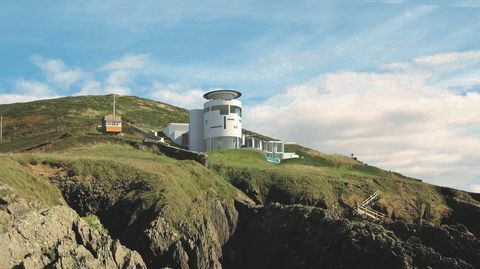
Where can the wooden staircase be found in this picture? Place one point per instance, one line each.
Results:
(364, 210)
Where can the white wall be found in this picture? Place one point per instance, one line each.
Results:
(195, 136)
(174, 131)
(229, 125)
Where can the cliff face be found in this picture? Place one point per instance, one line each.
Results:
(33, 235)
(154, 218)
(277, 236)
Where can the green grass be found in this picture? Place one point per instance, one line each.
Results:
(27, 125)
(139, 179)
(331, 181)
(94, 222)
(22, 181)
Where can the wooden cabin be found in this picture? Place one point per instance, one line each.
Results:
(112, 124)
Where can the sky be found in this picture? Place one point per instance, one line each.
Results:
(396, 82)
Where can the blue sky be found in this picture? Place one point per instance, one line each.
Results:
(414, 59)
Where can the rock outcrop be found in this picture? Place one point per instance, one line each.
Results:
(278, 236)
(33, 235)
(142, 223)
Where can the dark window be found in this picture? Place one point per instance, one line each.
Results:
(206, 109)
(236, 110)
(223, 109)
(224, 122)
(218, 126)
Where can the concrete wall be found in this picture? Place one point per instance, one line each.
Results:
(175, 131)
(177, 153)
(195, 136)
(217, 125)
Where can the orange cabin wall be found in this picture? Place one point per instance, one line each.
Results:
(113, 129)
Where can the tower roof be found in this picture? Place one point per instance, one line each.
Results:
(222, 94)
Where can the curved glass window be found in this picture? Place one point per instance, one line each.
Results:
(223, 109)
(226, 142)
(236, 110)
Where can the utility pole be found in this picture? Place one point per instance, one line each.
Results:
(1, 128)
(114, 104)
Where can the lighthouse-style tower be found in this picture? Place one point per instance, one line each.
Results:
(219, 124)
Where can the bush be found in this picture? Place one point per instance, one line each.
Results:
(95, 223)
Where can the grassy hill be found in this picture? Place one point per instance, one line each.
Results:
(34, 124)
(333, 182)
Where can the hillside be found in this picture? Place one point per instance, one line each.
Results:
(34, 124)
(238, 212)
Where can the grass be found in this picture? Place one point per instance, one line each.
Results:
(27, 125)
(331, 181)
(140, 180)
(94, 222)
(22, 181)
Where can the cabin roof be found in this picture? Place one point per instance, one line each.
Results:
(113, 118)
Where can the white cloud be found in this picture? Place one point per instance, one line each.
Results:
(397, 120)
(91, 87)
(449, 58)
(475, 188)
(123, 72)
(33, 88)
(57, 72)
(456, 71)
(178, 95)
(118, 76)
(128, 62)
(27, 90)
(9, 98)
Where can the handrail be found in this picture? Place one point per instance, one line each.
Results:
(371, 211)
(371, 198)
(362, 208)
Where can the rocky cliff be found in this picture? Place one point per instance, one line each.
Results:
(278, 236)
(182, 224)
(33, 235)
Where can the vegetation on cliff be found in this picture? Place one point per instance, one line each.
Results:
(333, 182)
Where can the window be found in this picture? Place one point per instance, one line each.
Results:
(206, 110)
(278, 147)
(225, 142)
(223, 109)
(113, 123)
(236, 110)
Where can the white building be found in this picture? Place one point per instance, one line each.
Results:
(273, 149)
(176, 132)
(219, 124)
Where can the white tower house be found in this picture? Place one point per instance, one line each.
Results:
(219, 124)
(222, 120)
